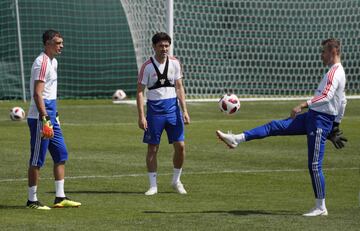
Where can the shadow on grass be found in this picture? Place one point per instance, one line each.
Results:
(107, 192)
(12, 207)
(98, 192)
(233, 212)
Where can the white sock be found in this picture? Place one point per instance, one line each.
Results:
(32, 193)
(320, 203)
(239, 138)
(176, 176)
(152, 179)
(59, 188)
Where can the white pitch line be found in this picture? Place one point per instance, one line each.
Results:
(184, 173)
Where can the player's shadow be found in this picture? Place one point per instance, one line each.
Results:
(98, 192)
(234, 212)
(107, 192)
(252, 212)
(12, 207)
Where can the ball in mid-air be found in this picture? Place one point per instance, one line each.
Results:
(229, 104)
(17, 114)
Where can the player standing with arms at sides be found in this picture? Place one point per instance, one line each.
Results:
(321, 121)
(162, 76)
(45, 132)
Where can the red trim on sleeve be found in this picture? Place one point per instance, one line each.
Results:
(330, 78)
(141, 73)
(43, 68)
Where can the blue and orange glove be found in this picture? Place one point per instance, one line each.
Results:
(47, 128)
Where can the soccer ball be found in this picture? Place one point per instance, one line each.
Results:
(17, 114)
(119, 95)
(229, 104)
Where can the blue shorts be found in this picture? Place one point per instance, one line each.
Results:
(39, 146)
(173, 124)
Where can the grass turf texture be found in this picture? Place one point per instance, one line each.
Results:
(263, 184)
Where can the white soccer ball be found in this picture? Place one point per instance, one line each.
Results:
(119, 95)
(229, 104)
(17, 114)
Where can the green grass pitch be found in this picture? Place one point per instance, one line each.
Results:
(261, 185)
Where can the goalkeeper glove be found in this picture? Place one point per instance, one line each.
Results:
(57, 118)
(47, 128)
(336, 136)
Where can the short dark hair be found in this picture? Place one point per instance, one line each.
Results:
(49, 35)
(332, 43)
(160, 36)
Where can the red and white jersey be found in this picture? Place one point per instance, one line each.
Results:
(148, 77)
(330, 96)
(43, 69)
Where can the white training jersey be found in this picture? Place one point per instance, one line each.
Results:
(148, 77)
(43, 69)
(330, 96)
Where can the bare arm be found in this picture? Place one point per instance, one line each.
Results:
(296, 110)
(181, 96)
(38, 98)
(140, 106)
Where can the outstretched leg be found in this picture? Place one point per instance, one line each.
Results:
(283, 127)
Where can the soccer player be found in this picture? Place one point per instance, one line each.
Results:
(162, 76)
(326, 109)
(44, 125)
